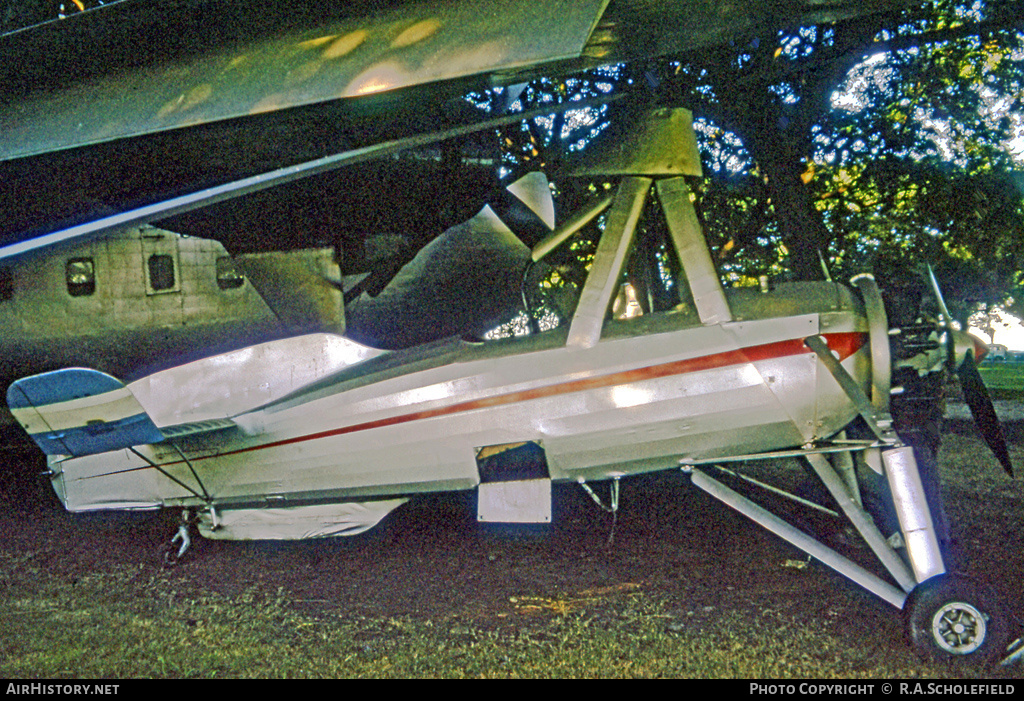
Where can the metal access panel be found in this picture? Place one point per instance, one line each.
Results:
(523, 501)
(515, 485)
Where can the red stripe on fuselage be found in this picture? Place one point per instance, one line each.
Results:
(845, 344)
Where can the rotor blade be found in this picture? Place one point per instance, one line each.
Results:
(256, 183)
(980, 404)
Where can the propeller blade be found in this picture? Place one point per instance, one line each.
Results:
(947, 320)
(980, 403)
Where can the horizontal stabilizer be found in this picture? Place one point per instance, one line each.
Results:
(78, 411)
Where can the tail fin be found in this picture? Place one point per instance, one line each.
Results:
(78, 411)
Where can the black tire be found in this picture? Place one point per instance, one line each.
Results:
(951, 618)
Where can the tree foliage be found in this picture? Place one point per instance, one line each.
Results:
(873, 144)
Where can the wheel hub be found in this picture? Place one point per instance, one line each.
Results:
(959, 628)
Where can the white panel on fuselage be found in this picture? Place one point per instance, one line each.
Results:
(651, 423)
(791, 379)
(410, 422)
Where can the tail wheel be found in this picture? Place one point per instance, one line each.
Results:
(954, 619)
(167, 554)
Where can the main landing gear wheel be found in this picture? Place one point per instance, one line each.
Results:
(953, 619)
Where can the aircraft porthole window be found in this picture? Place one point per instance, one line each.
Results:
(80, 274)
(228, 277)
(161, 272)
(6, 284)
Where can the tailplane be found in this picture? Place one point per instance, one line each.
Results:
(78, 411)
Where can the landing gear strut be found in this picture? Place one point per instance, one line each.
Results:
(172, 551)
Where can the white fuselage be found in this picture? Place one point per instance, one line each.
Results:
(654, 390)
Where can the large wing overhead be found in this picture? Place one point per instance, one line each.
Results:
(138, 67)
(145, 67)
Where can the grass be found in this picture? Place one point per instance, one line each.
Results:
(132, 623)
(1004, 380)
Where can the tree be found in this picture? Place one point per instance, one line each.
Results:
(988, 320)
(874, 143)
